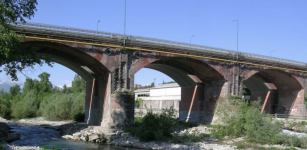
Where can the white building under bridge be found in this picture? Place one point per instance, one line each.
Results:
(163, 96)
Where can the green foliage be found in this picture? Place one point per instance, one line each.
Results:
(242, 119)
(39, 99)
(154, 127)
(248, 121)
(120, 93)
(25, 108)
(168, 82)
(295, 141)
(15, 58)
(138, 102)
(63, 106)
(241, 147)
(78, 84)
(235, 97)
(5, 105)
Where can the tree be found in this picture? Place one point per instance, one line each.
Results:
(78, 84)
(14, 90)
(14, 58)
(45, 84)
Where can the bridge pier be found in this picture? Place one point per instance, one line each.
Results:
(198, 103)
(95, 94)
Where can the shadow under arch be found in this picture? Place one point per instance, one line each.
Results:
(91, 70)
(277, 90)
(201, 86)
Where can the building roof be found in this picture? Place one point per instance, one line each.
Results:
(161, 86)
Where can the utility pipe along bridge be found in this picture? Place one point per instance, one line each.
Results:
(108, 62)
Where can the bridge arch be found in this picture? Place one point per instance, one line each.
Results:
(279, 91)
(91, 70)
(201, 85)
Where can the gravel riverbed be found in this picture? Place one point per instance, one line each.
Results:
(130, 141)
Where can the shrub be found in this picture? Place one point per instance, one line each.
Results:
(61, 106)
(138, 102)
(154, 127)
(26, 107)
(245, 120)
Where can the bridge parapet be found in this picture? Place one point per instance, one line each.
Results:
(143, 42)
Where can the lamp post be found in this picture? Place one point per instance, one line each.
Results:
(191, 38)
(236, 92)
(97, 25)
(125, 19)
(271, 52)
(237, 38)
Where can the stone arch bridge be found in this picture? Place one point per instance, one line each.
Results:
(206, 75)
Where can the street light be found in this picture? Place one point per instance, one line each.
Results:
(237, 38)
(97, 25)
(271, 52)
(125, 18)
(191, 38)
(236, 92)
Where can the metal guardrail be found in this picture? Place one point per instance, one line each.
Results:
(186, 46)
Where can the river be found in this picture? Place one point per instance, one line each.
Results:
(49, 138)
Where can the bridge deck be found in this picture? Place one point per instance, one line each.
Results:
(67, 33)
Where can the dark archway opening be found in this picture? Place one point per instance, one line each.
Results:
(200, 84)
(276, 90)
(90, 69)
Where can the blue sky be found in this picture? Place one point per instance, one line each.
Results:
(276, 27)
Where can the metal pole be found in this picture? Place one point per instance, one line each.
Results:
(125, 24)
(125, 20)
(238, 84)
(271, 52)
(97, 25)
(191, 38)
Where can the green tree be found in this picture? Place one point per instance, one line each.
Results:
(45, 86)
(78, 84)
(14, 58)
(5, 105)
(14, 90)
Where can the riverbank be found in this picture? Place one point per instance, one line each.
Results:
(39, 121)
(71, 129)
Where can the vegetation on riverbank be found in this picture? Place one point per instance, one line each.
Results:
(241, 119)
(40, 98)
(237, 119)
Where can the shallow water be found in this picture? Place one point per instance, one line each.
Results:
(49, 138)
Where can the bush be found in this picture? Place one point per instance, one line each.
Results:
(61, 106)
(248, 121)
(138, 102)
(26, 107)
(154, 127)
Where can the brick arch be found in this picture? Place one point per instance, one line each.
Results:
(87, 66)
(83, 64)
(279, 91)
(201, 84)
(190, 69)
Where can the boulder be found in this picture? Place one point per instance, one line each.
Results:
(109, 137)
(76, 136)
(93, 137)
(67, 137)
